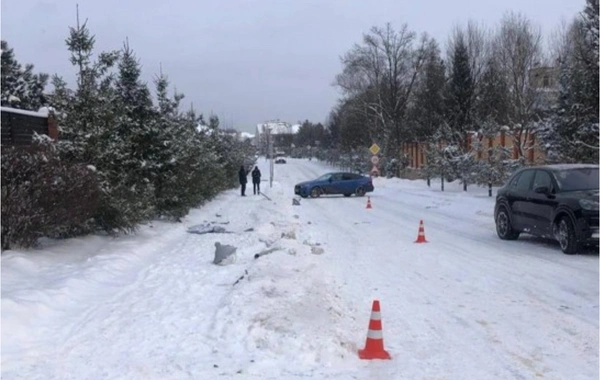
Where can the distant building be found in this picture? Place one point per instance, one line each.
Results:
(281, 132)
(544, 81)
(544, 77)
(243, 136)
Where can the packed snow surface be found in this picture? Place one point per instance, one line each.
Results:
(465, 305)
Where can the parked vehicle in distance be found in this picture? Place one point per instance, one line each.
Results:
(335, 183)
(280, 158)
(551, 201)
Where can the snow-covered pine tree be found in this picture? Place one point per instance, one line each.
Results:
(571, 134)
(427, 112)
(460, 112)
(213, 122)
(134, 135)
(492, 110)
(191, 170)
(167, 182)
(87, 118)
(428, 109)
(497, 165)
(21, 87)
(203, 170)
(441, 154)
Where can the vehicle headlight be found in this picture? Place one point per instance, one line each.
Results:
(586, 204)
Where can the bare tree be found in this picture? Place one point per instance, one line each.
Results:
(518, 47)
(381, 73)
(558, 42)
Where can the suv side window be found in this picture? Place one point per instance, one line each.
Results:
(542, 178)
(513, 182)
(524, 181)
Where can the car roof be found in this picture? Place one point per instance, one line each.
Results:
(342, 173)
(560, 167)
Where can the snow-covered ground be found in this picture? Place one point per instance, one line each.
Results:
(466, 305)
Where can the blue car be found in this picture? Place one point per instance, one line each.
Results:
(335, 183)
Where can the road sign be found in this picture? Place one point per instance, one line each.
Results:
(374, 160)
(374, 149)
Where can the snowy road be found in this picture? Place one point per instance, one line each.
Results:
(463, 306)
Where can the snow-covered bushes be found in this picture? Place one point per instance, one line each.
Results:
(122, 157)
(44, 196)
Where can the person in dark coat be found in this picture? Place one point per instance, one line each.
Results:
(256, 180)
(243, 180)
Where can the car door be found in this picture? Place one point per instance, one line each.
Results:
(541, 205)
(517, 194)
(348, 184)
(333, 186)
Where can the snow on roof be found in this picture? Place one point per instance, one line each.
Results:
(24, 112)
(246, 135)
(296, 128)
(46, 110)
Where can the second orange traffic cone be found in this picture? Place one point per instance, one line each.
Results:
(421, 237)
(369, 202)
(374, 345)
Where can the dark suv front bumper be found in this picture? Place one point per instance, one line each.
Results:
(588, 226)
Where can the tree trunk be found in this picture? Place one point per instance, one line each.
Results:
(5, 239)
(490, 189)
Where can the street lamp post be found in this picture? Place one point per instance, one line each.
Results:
(270, 150)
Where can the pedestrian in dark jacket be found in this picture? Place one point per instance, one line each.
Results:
(243, 180)
(256, 180)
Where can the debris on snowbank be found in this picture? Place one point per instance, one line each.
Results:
(224, 254)
(206, 228)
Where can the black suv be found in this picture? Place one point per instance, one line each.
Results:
(554, 201)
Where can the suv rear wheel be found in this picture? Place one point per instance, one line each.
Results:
(504, 227)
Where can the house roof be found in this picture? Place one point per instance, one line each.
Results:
(41, 113)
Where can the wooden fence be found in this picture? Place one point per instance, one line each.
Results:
(479, 145)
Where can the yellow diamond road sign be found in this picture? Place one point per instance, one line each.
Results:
(374, 149)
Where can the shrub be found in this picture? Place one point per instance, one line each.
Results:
(43, 196)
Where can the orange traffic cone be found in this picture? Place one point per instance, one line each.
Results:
(421, 237)
(374, 345)
(369, 202)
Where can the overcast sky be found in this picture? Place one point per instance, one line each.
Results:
(246, 61)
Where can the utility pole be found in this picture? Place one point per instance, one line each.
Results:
(271, 166)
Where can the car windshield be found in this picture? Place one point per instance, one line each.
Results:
(324, 177)
(577, 179)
